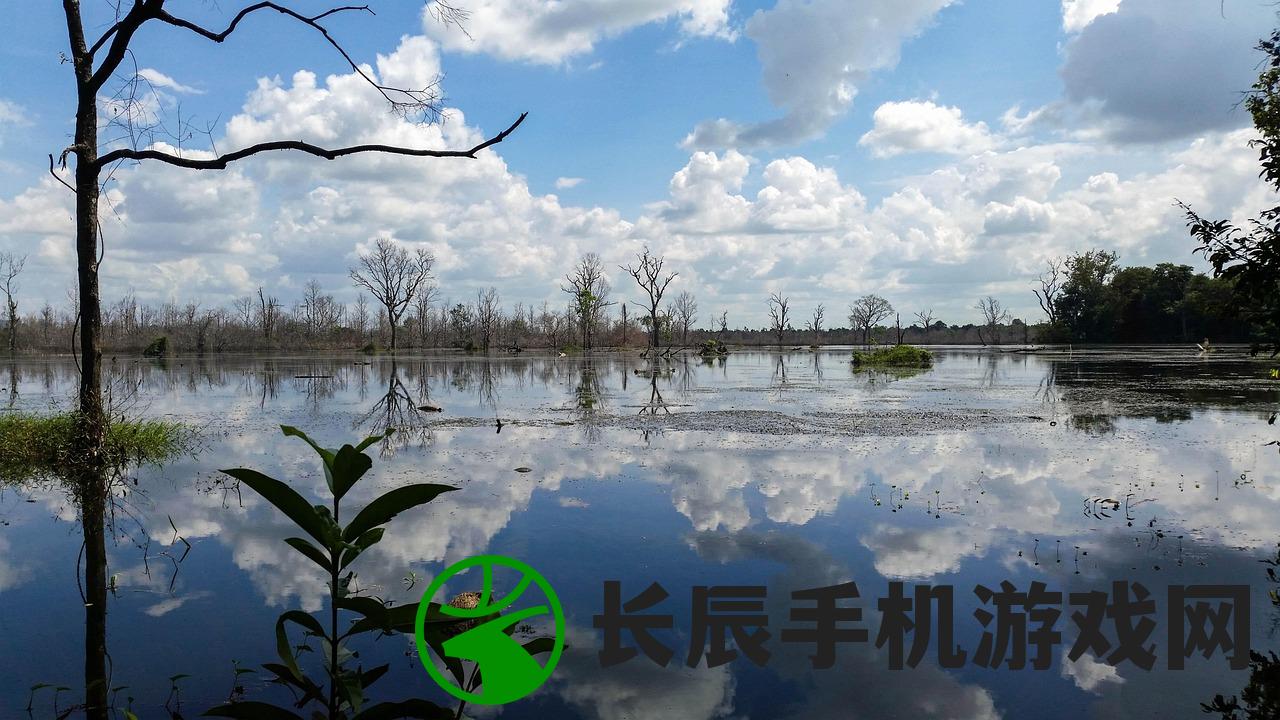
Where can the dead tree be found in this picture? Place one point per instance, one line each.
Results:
(648, 275)
(394, 278)
(867, 312)
(815, 325)
(684, 313)
(1050, 289)
(94, 64)
(10, 267)
(779, 308)
(993, 314)
(926, 319)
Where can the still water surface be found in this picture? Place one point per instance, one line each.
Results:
(784, 470)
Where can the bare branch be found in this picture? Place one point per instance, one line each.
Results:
(220, 162)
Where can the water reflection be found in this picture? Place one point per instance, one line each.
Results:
(955, 475)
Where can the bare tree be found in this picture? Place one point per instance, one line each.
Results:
(268, 314)
(588, 289)
(95, 64)
(360, 317)
(779, 307)
(926, 319)
(10, 267)
(1050, 289)
(648, 275)
(993, 315)
(488, 316)
(625, 325)
(684, 313)
(394, 277)
(815, 325)
(242, 308)
(866, 313)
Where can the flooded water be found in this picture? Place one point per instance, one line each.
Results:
(784, 470)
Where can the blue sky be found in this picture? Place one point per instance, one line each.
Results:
(931, 151)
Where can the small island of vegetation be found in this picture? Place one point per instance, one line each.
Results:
(900, 356)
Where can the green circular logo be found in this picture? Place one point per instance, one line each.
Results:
(477, 631)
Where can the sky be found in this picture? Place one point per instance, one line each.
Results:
(929, 151)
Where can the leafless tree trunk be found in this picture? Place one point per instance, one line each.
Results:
(394, 278)
(815, 325)
(648, 275)
(488, 316)
(685, 313)
(993, 314)
(10, 267)
(926, 319)
(779, 307)
(1050, 288)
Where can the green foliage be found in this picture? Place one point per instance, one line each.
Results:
(1250, 258)
(712, 347)
(333, 547)
(371, 348)
(158, 347)
(904, 356)
(1102, 302)
(44, 446)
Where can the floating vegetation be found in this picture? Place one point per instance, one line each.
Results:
(898, 356)
(44, 446)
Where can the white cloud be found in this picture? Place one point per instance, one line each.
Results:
(1089, 674)
(922, 126)
(552, 32)
(1077, 14)
(564, 183)
(159, 80)
(814, 55)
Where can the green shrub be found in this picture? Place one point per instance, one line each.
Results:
(908, 356)
(712, 347)
(158, 347)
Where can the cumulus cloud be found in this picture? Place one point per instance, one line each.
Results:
(1155, 70)
(922, 126)
(814, 55)
(551, 33)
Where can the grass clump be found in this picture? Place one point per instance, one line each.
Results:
(900, 356)
(39, 446)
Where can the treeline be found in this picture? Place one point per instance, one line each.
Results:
(1089, 298)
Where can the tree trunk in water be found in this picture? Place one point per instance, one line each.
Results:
(90, 474)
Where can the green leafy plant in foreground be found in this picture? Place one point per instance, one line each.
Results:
(334, 547)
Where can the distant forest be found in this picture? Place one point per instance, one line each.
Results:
(1086, 298)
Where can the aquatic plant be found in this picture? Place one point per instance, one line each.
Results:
(43, 446)
(908, 356)
(334, 547)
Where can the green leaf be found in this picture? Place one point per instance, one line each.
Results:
(361, 544)
(251, 711)
(348, 466)
(369, 441)
(381, 510)
(283, 648)
(285, 676)
(311, 551)
(285, 499)
(325, 453)
(371, 676)
(350, 689)
(366, 606)
(416, 709)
